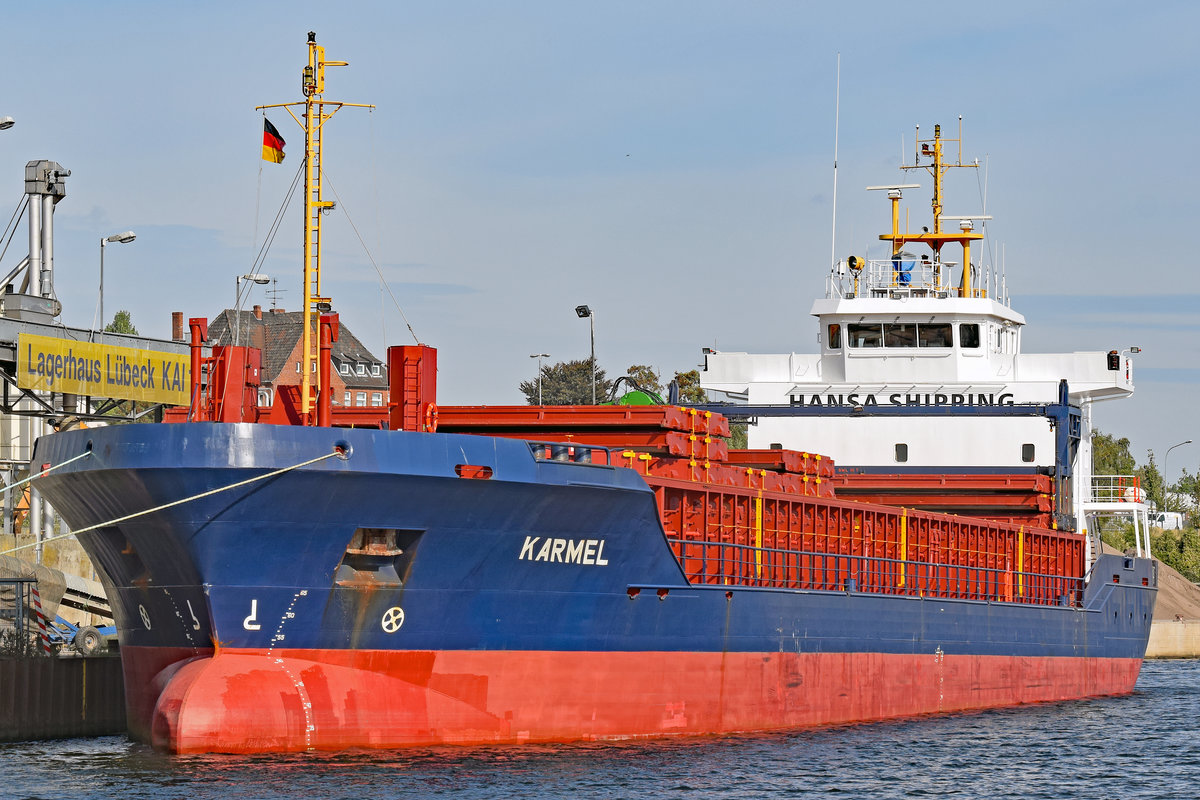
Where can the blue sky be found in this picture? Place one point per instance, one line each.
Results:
(667, 163)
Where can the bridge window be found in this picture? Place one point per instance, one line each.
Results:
(835, 337)
(865, 335)
(1027, 453)
(901, 452)
(934, 335)
(968, 335)
(900, 334)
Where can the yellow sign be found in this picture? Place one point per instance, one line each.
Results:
(47, 364)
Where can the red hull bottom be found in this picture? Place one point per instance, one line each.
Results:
(243, 701)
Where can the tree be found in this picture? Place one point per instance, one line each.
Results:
(122, 323)
(567, 383)
(1186, 494)
(645, 377)
(1111, 456)
(1152, 481)
(690, 390)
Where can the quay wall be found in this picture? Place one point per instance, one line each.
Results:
(59, 698)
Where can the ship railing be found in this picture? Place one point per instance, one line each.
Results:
(728, 564)
(911, 276)
(1116, 489)
(571, 453)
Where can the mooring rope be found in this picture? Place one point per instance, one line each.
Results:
(45, 472)
(173, 503)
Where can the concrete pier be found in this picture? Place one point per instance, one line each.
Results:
(1174, 639)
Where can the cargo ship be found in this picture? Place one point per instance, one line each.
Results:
(479, 575)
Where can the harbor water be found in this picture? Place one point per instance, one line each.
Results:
(1144, 745)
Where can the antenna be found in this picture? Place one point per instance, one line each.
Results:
(274, 292)
(837, 111)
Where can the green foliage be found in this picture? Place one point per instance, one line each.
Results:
(738, 435)
(645, 377)
(1179, 550)
(1152, 481)
(567, 383)
(570, 383)
(1117, 535)
(122, 323)
(690, 390)
(1186, 494)
(1111, 456)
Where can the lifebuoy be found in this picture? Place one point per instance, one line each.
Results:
(431, 418)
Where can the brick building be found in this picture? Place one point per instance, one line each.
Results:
(359, 378)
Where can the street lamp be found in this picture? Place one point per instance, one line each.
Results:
(1168, 455)
(122, 238)
(253, 277)
(539, 357)
(581, 312)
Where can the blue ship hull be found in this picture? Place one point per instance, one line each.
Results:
(541, 603)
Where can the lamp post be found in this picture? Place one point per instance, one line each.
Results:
(581, 312)
(253, 277)
(122, 238)
(539, 357)
(1168, 455)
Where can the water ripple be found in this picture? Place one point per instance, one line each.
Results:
(1144, 745)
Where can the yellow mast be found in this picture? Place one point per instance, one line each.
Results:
(312, 83)
(932, 148)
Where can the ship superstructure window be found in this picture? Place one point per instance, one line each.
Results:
(968, 334)
(900, 334)
(865, 335)
(1027, 453)
(901, 452)
(934, 334)
(835, 336)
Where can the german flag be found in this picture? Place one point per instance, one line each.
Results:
(272, 143)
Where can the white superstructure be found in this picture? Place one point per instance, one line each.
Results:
(921, 334)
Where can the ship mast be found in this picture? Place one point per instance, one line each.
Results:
(933, 148)
(317, 111)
